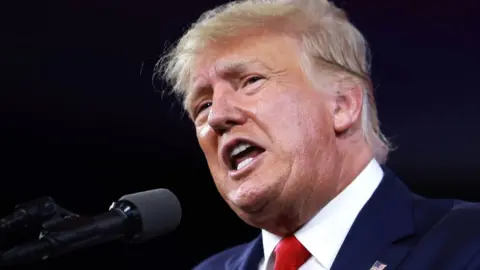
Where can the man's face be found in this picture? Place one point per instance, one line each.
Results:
(267, 134)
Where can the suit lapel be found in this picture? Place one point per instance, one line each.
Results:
(250, 257)
(385, 219)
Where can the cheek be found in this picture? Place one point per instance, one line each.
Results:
(296, 122)
(208, 144)
(202, 131)
(215, 167)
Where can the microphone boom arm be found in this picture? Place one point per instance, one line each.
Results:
(92, 231)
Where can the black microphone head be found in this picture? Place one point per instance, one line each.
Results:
(160, 212)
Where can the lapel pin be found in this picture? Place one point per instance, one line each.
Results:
(378, 266)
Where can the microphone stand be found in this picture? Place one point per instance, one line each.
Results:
(65, 235)
(42, 215)
(33, 216)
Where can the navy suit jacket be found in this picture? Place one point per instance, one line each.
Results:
(397, 228)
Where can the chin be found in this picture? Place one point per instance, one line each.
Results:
(272, 218)
(249, 198)
(266, 218)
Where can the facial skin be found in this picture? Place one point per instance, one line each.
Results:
(254, 88)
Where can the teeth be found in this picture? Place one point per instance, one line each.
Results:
(239, 148)
(244, 163)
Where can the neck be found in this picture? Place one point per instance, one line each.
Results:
(350, 164)
(354, 162)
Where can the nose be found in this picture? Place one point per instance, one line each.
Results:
(225, 112)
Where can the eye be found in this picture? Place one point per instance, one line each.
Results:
(203, 106)
(251, 79)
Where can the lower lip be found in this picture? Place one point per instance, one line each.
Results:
(247, 169)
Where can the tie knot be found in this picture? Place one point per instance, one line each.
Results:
(290, 254)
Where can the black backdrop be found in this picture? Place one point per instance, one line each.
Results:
(80, 120)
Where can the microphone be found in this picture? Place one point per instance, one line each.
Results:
(133, 218)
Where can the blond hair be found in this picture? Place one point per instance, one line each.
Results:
(326, 36)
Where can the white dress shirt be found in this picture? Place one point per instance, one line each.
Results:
(324, 234)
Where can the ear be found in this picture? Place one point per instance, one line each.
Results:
(348, 105)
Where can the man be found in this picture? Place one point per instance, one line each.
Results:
(281, 99)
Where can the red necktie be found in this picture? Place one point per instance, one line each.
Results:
(290, 254)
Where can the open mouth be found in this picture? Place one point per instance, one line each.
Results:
(242, 153)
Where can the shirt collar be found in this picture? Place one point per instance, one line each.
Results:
(324, 234)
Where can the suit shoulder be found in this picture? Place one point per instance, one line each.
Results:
(465, 212)
(223, 259)
(450, 241)
(429, 213)
(469, 208)
(459, 227)
(474, 264)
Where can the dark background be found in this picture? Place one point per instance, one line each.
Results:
(81, 121)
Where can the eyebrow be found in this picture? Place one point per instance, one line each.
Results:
(226, 68)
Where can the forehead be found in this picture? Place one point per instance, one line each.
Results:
(239, 55)
(229, 65)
